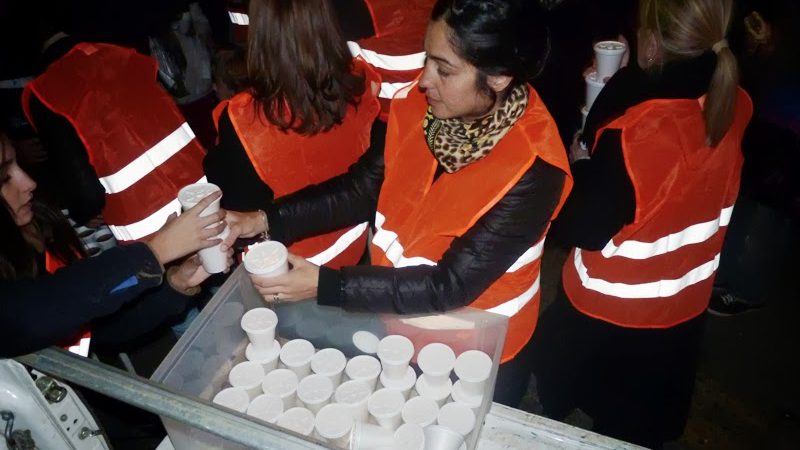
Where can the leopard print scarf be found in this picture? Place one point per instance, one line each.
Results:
(457, 144)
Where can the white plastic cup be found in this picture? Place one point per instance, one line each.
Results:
(608, 55)
(247, 375)
(299, 420)
(213, 258)
(366, 341)
(281, 383)
(403, 385)
(436, 361)
(460, 396)
(266, 407)
(593, 87)
(296, 356)
(473, 368)
(259, 324)
(437, 394)
(267, 259)
(365, 368)
(457, 417)
(385, 406)
(267, 358)
(329, 362)
(442, 438)
(410, 437)
(314, 392)
(354, 394)
(335, 424)
(367, 436)
(233, 398)
(421, 411)
(395, 353)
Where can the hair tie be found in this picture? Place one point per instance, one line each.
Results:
(722, 43)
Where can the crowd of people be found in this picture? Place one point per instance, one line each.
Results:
(413, 156)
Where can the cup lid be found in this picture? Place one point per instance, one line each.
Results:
(297, 352)
(422, 411)
(265, 257)
(457, 417)
(362, 366)
(366, 341)
(191, 194)
(352, 392)
(410, 436)
(259, 319)
(334, 421)
(246, 374)
(299, 420)
(436, 359)
(233, 398)
(395, 349)
(473, 365)
(266, 407)
(328, 361)
(315, 389)
(385, 402)
(280, 382)
(611, 46)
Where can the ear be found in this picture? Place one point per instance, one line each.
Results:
(498, 83)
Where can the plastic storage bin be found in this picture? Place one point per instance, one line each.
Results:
(199, 363)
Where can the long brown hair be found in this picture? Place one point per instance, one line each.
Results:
(298, 65)
(687, 29)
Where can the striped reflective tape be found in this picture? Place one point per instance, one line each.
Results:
(82, 347)
(148, 161)
(239, 18)
(388, 90)
(693, 234)
(341, 244)
(388, 62)
(653, 289)
(516, 304)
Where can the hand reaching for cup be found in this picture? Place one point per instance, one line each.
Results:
(187, 233)
(300, 283)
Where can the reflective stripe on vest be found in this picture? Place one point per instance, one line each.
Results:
(150, 224)
(82, 346)
(239, 18)
(415, 61)
(341, 244)
(148, 161)
(693, 234)
(388, 90)
(390, 244)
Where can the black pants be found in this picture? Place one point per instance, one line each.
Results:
(513, 377)
(635, 383)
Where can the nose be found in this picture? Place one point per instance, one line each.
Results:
(28, 185)
(426, 80)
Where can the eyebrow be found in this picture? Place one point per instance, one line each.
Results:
(441, 60)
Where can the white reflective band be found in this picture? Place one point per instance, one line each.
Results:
(530, 255)
(694, 234)
(148, 161)
(341, 244)
(239, 18)
(654, 289)
(388, 90)
(515, 305)
(388, 62)
(150, 224)
(81, 348)
(16, 83)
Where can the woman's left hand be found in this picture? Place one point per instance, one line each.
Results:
(300, 283)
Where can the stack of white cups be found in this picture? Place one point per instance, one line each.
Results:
(608, 57)
(213, 258)
(436, 362)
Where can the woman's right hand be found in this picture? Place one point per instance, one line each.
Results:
(245, 225)
(187, 233)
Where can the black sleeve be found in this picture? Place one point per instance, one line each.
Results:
(471, 264)
(68, 163)
(228, 166)
(602, 199)
(342, 201)
(52, 309)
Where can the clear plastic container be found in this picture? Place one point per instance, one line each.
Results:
(216, 346)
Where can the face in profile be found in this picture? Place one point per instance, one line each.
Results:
(450, 82)
(17, 187)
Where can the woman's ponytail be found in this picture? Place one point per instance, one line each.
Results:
(720, 105)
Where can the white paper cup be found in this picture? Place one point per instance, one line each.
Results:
(354, 394)
(420, 411)
(335, 424)
(259, 324)
(314, 392)
(299, 420)
(364, 368)
(247, 375)
(267, 358)
(296, 356)
(460, 396)
(329, 362)
(457, 417)
(436, 362)
(437, 394)
(593, 87)
(281, 383)
(410, 437)
(104, 238)
(366, 341)
(403, 385)
(473, 368)
(233, 398)
(213, 258)
(266, 259)
(266, 407)
(442, 438)
(608, 55)
(395, 353)
(367, 436)
(385, 406)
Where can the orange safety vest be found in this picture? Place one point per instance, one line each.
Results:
(288, 162)
(139, 144)
(81, 346)
(658, 271)
(417, 219)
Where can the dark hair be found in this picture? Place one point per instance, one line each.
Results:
(230, 67)
(299, 67)
(18, 258)
(498, 37)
